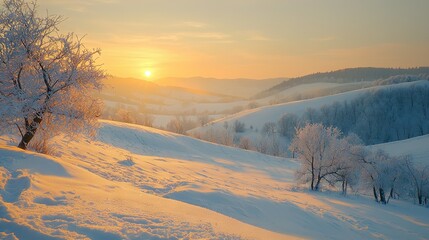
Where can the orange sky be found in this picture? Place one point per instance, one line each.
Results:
(248, 38)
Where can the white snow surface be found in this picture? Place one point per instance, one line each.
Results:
(416, 147)
(134, 182)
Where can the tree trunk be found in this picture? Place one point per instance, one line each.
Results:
(382, 196)
(390, 195)
(375, 193)
(345, 187)
(319, 179)
(312, 173)
(30, 131)
(419, 195)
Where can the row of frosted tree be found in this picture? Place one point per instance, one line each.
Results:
(332, 160)
(379, 116)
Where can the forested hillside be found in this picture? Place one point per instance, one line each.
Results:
(383, 115)
(349, 75)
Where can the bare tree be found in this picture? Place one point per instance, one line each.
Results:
(46, 78)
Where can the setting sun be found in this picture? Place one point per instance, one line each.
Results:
(147, 73)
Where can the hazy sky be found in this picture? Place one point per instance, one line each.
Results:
(248, 38)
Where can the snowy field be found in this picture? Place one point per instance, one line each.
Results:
(133, 182)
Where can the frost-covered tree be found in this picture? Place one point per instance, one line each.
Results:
(269, 129)
(383, 173)
(203, 119)
(124, 115)
(147, 119)
(245, 143)
(348, 173)
(419, 179)
(239, 126)
(287, 125)
(377, 116)
(46, 78)
(320, 150)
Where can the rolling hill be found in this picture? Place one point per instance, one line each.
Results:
(134, 182)
(255, 119)
(359, 76)
(243, 88)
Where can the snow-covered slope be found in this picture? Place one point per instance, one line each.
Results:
(139, 183)
(259, 116)
(416, 147)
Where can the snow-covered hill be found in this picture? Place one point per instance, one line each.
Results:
(133, 182)
(349, 75)
(256, 118)
(416, 147)
(243, 88)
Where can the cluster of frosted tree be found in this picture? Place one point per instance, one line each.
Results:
(329, 159)
(227, 135)
(379, 116)
(266, 141)
(46, 78)
(181, 124)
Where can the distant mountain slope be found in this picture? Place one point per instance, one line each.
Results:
(349, 75)
(137, 88)
(138, 98)
(243, 88)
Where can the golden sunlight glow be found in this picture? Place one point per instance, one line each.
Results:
(147, 73)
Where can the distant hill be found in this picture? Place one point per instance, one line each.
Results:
(132, 86)
(378, 114)
(136, 91)
(138, 98)
(349, 75)
(242, 87)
